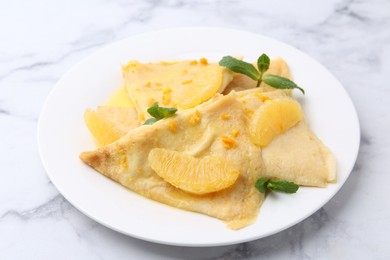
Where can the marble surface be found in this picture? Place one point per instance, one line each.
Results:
(41, 40)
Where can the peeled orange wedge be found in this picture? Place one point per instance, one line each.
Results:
(101, 130)
(199, 176)
(108, 124)
(273, 118)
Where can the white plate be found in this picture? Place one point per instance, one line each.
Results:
(62, 135)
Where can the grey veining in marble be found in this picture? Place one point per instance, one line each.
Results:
(41, 40)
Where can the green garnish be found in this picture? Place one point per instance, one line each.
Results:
(263, 63)
(248, 69)
(263, 184)
(159, 113)
(150, 121)
(240, 66)
(280, 82)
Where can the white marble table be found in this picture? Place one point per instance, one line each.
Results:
(41, 40)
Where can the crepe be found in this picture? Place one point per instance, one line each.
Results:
(297, 155)
(197, 132)
(300, 157)
(181, 84)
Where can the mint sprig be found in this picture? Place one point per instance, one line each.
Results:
(240, 66)
(159, 113)
(263, 184)
(263, 63)
(280, 82)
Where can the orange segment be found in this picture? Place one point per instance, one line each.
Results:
(108, 124)
(100, 129)
(273, 118)
(199, 176)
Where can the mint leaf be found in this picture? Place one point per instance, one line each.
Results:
(282, 185)
(150, 121)
(263, 184)
(280, 82)
(240, 66)
(263, 63)
(159, 113)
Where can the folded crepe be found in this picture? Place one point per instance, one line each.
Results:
(199, 132)
(297, 155)
(300, 157)
(181, 84)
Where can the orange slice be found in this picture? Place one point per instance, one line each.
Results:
(273, 118)
(108, 124)
(199, 176)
